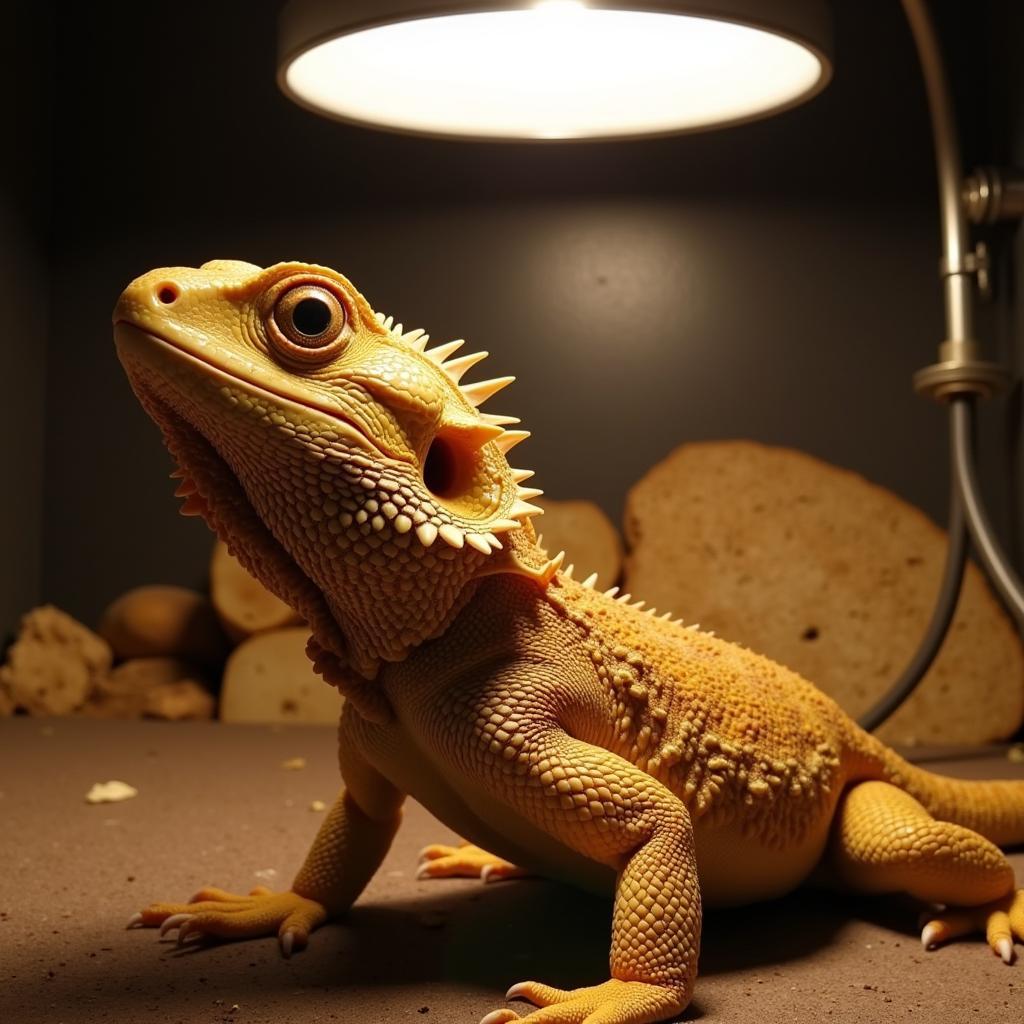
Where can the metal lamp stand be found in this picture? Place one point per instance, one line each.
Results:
(960, 376)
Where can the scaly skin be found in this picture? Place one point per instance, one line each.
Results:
(568, 731)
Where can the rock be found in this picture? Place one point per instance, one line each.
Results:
(141, 674)
(828, 574)
(243, 605)
(127, 691)
(7, 705)
(586, 535)
(178, 701)
(54, 664)
(269, 678)
(164, 621)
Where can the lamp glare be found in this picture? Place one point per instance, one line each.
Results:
(555, 70)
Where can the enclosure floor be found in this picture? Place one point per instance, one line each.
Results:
(216, 806)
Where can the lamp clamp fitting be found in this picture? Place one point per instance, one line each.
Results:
(978, 262)
(993, 194)
(959, 371)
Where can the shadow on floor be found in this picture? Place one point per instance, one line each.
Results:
(469, 938)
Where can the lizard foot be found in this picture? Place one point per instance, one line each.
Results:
(466, 861)
(1002, 921)
(613, 1002)
(224, 915)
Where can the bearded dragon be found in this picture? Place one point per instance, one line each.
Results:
(561, 730)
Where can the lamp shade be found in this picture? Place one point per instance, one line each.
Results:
(552, 69)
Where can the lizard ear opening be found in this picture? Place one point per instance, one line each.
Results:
(446, 468)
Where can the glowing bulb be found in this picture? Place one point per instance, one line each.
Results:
(559, 69)
(560, 7)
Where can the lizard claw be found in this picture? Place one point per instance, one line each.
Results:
(931, 933)
(496, 872)
(174, 921)
(190, 929)
(223, 915)
(500, 1017)
(621, 1002)
(1002, 921)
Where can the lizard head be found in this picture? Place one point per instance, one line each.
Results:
(342, 460)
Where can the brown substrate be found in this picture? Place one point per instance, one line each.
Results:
(215, 806)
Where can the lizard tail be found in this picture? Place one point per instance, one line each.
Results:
(992, 808)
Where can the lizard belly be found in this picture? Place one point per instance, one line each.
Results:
(736, 869)
(733, 869)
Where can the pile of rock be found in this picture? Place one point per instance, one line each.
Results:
(155, 654)
(168, 652)
(54, 666)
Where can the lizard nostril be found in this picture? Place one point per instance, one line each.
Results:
(167, 293)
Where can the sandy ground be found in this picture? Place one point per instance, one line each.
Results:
(215, 806)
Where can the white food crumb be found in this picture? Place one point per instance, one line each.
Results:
(110, 792)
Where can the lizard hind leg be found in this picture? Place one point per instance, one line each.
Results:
(883, 840)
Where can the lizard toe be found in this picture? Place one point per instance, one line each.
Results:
(190, 931)
(499, 871)
(211, 894)
(224, 915)
(466, 861)
(612, 1002)
(1002, 921)
(172, 922)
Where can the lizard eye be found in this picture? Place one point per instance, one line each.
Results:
(308, 323)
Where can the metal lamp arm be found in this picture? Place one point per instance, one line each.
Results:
(1002, 574)
(960, 376)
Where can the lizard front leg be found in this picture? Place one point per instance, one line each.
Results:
(605, 808)
(347, 850)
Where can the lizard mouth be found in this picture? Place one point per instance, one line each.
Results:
(129, 335)
(211, 490)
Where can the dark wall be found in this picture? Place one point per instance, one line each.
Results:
(24, 294)
(775, 281)
(1008, 148)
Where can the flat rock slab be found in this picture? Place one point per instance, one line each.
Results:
(215, 806)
